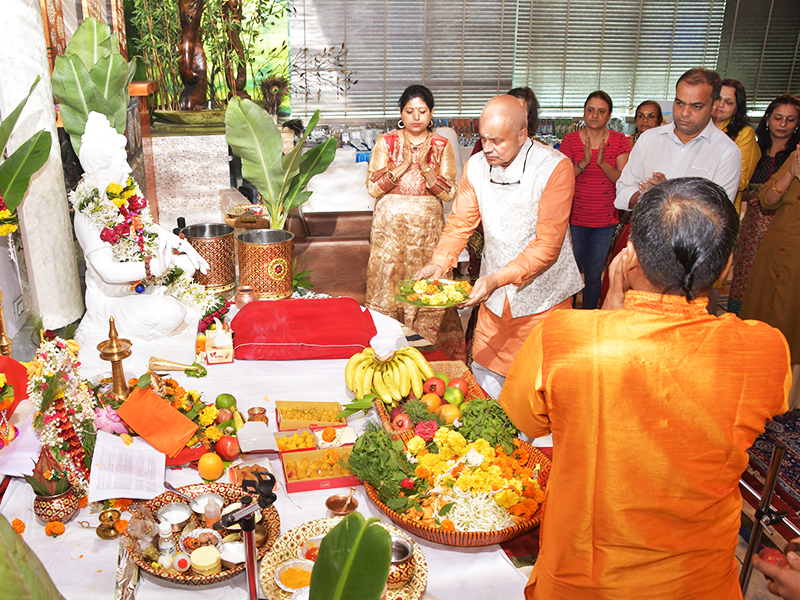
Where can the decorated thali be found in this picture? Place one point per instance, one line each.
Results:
(230, 493)
(287, 546)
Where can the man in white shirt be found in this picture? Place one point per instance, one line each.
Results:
(691, 146)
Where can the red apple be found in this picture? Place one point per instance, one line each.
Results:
(227, 447)
(459, 383)
(434, 385)
(224, 414)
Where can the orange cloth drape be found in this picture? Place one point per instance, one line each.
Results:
(153, 418)
(652, 409)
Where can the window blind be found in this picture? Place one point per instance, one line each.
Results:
(761, 46)
(466, 51)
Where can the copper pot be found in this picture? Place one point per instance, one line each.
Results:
(244, 295)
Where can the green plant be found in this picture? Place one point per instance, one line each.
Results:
(91, 75)
(301, 279)
(353, 561)
(281, 180)
(16, 171)
(159, 28)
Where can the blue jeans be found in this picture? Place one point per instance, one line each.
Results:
(590, 246)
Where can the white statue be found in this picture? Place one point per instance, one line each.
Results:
(130, 260)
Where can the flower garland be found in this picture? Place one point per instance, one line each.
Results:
(125, 221)
(8, 221)
(65, 407)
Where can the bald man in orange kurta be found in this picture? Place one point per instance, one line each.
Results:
(652, 408)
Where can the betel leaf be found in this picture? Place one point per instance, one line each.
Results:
(446, 508)
(17, 170)
(144, 381)
(353, 561)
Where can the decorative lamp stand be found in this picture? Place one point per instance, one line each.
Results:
(114, 349)
(5, 341)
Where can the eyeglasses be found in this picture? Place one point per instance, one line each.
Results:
(524, 164)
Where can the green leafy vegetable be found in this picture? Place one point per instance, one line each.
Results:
(418, 411)
(485, 418)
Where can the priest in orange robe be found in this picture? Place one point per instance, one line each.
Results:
(652, 406)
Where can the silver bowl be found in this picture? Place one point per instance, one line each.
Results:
(177, 514)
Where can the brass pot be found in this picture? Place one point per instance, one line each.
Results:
(265, 262)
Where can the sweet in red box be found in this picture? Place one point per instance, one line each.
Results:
(306, 470)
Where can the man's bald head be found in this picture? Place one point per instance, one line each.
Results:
(503, 129)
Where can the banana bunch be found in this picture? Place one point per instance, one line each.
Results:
(392, 377)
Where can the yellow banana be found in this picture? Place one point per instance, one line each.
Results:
(405, 378)
(414, 375)
(366, 385)
(350, 369)
(380, 387)
(421, 362)
(356, 383)
(391, 384)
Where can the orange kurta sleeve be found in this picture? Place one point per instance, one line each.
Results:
(551, 227)
(464, 219)
(525, 403)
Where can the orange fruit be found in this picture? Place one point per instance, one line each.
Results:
(432, 401)
(210, 466)
(448, 412)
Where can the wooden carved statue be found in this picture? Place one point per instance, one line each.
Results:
(235, 71)
(192, 63)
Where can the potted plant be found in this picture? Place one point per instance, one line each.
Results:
(265, 254)
(54, 499)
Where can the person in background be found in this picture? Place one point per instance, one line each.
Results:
(598, 156)
(653, 404)
(778, 133)
(648, 115)
(730, 116)
(691, 146)
(411, 172)
(773, 290)
(521, 190)
(528, 99)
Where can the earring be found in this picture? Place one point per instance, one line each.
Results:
(767, 126)
(400, 124)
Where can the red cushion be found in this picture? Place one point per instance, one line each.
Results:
(301, 329)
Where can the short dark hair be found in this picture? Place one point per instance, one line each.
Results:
(416, 91)
(739, 118)
(526, 95)
(602, 96)
(700, 77)
(684, 231)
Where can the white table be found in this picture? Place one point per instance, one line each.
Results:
(83, 566)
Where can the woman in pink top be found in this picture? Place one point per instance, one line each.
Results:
(598, 156)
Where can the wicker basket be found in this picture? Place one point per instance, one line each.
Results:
(470, 539)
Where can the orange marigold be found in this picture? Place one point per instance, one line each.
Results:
(83, 501)
(422, 472)
(54, 528)
(122, 504)
(18, 525)
(447, 525)
(121, 526)
(331, 456)
(328, 434)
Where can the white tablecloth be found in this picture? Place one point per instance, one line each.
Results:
(83, 566)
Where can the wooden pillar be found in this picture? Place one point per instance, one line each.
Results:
(140, 90)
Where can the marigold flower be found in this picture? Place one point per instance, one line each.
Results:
(121, 526)
(447, 525)
(18, 526)
(54, 528)
(331, 456)
(212, 433)
(83, 501)
(415, 444)
(208, 415)
(122, 504)
(2, 379)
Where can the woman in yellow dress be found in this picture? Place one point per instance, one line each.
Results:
(730, 116)
(412, 172)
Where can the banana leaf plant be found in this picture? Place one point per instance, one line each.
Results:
(22, 573)
(92, 75)
(353, 561)
(17, 170)
(280, 179)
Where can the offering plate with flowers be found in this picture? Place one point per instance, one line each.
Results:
(434, 293)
